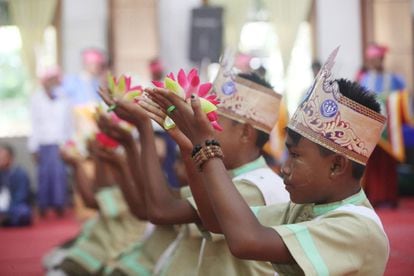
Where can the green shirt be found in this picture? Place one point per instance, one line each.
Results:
(141, 257)
(341, 238)
(203, 253)
(113, 230)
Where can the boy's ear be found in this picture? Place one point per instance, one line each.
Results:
(248, 133)
(339, 165)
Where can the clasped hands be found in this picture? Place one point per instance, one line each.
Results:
(155, 104)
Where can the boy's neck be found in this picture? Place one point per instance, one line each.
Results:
(343, 191)
(244, 159)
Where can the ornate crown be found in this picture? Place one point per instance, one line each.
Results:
(245, 101)
(336, 122)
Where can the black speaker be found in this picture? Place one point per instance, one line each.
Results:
(206, 33)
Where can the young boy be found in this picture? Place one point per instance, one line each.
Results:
(243, 136)
(329, 227)
(104, 237)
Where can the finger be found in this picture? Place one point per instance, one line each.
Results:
(149, 101)
(159, 99)
(152, 109)
(101, 124)
(196, 106)
(104, 93)
(170, 96)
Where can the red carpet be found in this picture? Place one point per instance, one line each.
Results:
(22, 249)
(399, 225)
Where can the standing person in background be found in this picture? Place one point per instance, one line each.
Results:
(381, 179)
(376, 78)
(15, 209)
(51, 127)
(83, 88)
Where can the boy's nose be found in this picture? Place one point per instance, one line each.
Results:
(285, 170)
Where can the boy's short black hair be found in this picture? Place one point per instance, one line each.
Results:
(8, 148)
(262, 137)
(359, 94)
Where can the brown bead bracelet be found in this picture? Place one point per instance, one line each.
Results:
(201, 154)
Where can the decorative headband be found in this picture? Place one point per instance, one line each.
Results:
(243, 100)
(336, 122)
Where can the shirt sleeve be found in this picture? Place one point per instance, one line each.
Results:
(341, 244)
(251, 195)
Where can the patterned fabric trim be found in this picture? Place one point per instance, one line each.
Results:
(305, 239)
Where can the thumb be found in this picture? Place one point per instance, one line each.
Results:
(196, 106)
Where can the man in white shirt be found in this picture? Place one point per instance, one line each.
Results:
(51, 127)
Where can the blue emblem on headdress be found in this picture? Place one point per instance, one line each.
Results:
(229, 88)
(329, 108)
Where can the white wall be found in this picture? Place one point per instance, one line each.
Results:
(174, 26)
(84, 24)
(339, 23)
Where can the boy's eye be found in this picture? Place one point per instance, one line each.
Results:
(293, 154)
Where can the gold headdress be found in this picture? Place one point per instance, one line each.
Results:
(336, 122)
(243, 100)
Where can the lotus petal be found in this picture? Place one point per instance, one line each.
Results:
(171, 76)
(204, 89)
(111, 83)
(212, 116)
(159, 84)
(182, 79)
(207, 106)
(193, 72)
(216, 126)
(131, 95)
(174, 87)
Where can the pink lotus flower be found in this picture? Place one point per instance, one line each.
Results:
(121, 89)
(187, 84)
(105, 140)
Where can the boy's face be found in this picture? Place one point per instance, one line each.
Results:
(306, 172)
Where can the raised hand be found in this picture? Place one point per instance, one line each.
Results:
(70, 156)
(190, 119)
(114, 130)
(156, 113)
(109, 156)
(128, 111)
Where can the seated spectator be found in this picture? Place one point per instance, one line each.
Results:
(15, 209)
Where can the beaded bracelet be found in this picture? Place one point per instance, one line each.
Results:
(201, 154)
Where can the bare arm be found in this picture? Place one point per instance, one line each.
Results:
(122, 176)
(198, 191)
(246, 237)
(84, 184)
(133, 176)
(163, 206)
